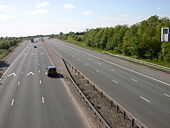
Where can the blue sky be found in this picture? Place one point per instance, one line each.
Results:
(23, 18)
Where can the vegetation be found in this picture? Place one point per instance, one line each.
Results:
(141, 40)
(7, 45)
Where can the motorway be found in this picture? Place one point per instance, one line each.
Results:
(30, 99)
(144, 92)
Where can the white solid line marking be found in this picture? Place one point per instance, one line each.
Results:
(113, 70)
(48, 57)
(42, 98)
(115, 81)
(39, 71)
(145, 99)
(12, 102)
(97, 70)
(15, 60)
(134, 80)
(167, 95)
(119, 66)
(18, 83)
(99, 63)
(22, 72)
(40, 81)
(38, 64)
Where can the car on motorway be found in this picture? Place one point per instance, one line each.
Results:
(51, 71)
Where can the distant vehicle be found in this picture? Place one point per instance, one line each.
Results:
(35, 46)
(32, 40)
(51, 71)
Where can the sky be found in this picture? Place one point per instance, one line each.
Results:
(34, 17)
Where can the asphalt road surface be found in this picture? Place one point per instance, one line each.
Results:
(144, 92)
(30, 99)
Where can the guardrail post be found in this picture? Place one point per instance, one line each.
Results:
(93, 87)
(111, 103)
(117, 108)
(133, 122)
(124, 115)
(101, 93)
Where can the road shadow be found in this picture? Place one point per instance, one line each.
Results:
(57, 76)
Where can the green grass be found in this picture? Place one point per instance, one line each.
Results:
(83, 44)
(5, 52)
(162, 63)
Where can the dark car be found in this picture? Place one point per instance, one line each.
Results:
(35, 46)
(51, 71)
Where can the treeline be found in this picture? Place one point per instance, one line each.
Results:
(76, 36)
(142, 40)
(6, 43)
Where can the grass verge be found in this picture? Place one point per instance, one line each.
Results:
(5, 52)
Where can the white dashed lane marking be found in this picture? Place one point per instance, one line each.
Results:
(97, 70)
(167, 95)
(145, 99)
(118, 65)
(115, 81)
(42, 99)
(99, 63)
(134, 80)
(12, 102)
(18, 83)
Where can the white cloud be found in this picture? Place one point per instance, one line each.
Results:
(5, 17)
(43, 5)
(140, 17)
(88, 12)
(65, 19)
(158, 8)
(105, 18)
(5, 8)
(124, 15)
(39, 11)
(69, 6)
